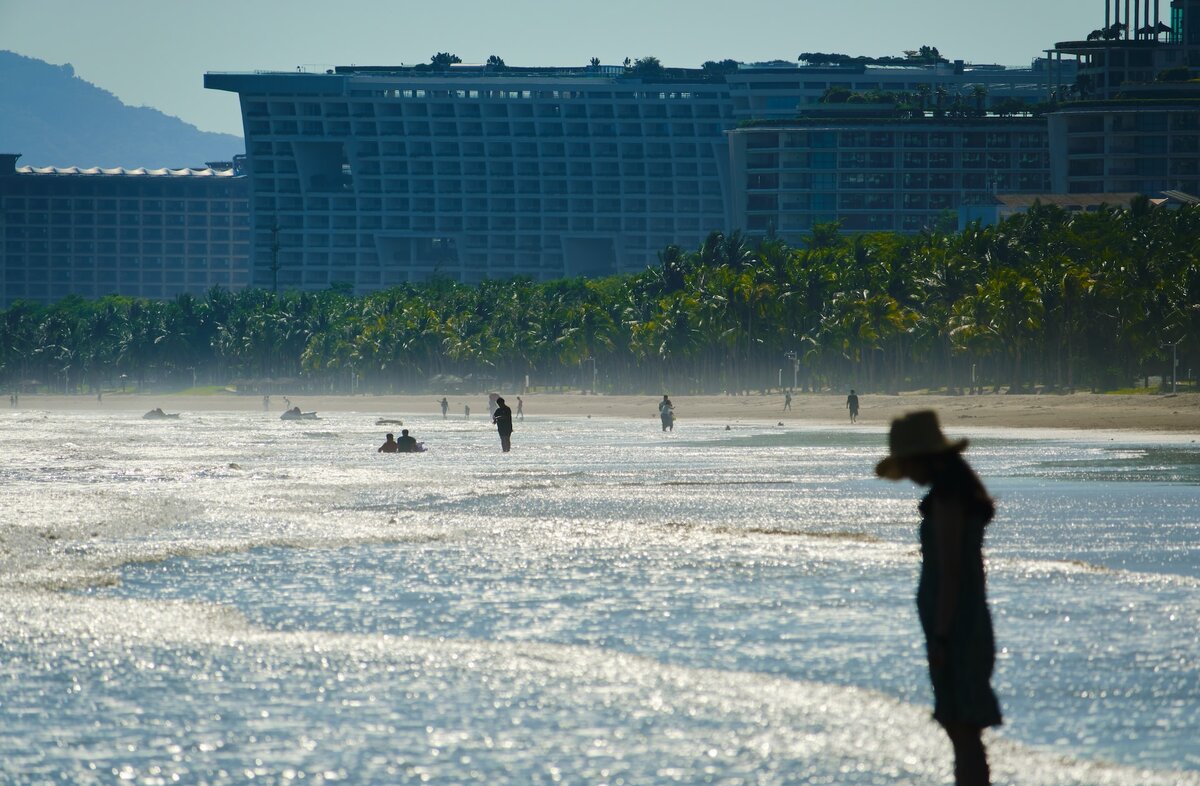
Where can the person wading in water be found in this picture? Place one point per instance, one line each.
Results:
(951, 593)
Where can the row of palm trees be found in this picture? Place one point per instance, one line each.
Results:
(1045, 299)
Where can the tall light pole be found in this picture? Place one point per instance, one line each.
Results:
(1174, 345)
(793, 356)
(275, 259)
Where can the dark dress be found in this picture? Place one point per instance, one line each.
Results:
(961, 689)
(502, 417)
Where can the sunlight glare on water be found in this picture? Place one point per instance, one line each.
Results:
(229, 597)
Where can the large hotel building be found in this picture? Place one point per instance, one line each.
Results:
(378, 176)
(374, 176)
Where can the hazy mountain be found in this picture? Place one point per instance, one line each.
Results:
(54, 118)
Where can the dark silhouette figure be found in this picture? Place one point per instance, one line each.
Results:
(951, 593)
(389, 445)
(502, 417)
(787, 401)
(666, 413)
(406, 444)
(467, 411)
(520, 409)
(852, 405)
(445, 406)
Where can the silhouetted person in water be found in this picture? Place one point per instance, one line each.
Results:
(852, 405)
(406, 444)
(389, 445)
(951, 593)
(666, 413)
(520, 409)
(502, 417)
(445, 406)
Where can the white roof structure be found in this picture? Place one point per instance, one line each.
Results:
(138, 172)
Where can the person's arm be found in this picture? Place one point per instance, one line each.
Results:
(948, 518)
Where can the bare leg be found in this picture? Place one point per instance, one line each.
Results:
(970, 757)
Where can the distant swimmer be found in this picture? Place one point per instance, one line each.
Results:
(852, 405)
(502, 417)
(406, 443)
(666, 413)
(445, 406)
(389, 445)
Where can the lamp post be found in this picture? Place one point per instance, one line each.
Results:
(793, 356)
(275, 259)
(1174, 345)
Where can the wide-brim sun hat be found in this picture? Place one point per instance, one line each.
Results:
(912, 436)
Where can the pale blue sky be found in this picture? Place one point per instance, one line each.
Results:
(155, 52)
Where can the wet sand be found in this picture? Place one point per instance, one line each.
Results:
(1179, 414)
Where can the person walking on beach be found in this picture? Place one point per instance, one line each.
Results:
(445, 406)
(520, 409)
(787, 400)
(951, 592)
(502, 417)
(467, 411)
(666, 413)
(852, 405)
(389, 445)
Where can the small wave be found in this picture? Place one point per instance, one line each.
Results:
(774, 532)
(1037, 567)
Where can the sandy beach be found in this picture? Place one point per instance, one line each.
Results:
(1166, 413)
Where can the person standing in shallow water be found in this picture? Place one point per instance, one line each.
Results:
(951, 592)
(852, 405)
(445, 406)
(666, 413)
(502, 417)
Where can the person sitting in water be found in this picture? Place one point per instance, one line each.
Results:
(406, 444)
(389, 445)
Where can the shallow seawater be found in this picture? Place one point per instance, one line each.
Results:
(229, 598)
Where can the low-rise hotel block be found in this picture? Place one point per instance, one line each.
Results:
(153, 233)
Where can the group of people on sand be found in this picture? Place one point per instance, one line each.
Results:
(851, 404)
